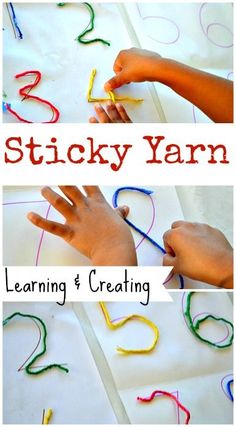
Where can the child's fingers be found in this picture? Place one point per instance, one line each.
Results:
(50, 226)
(94, 192)
(122, 211)
(169, 242)
(179, 223)
(93, 120)
(73, 194)
(113, 113)
(168, 261)
(117, 81)
(58, 202)
(102, 115)
(117, 66)
(123, 113)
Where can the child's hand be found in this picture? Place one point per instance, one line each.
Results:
(91, 225)
(200, 252)
(212, 94)
(134, 65)
(114, 113)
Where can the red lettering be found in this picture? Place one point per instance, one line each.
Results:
(154, 147)
(14, 149)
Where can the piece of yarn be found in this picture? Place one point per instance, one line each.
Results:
(88, 28)
(25, 95)
(47, 416)
(228, 386)
(16, 28)
(194, 327)
(171, 396)
(28, 367)
(226, 383)
(5, 106)
(137, 229)
(112, 96)
(21, 368)
(119, 323)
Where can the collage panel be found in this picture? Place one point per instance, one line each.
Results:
(79, 375)
(181, 226)
(162, 63)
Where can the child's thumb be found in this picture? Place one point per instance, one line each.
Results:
(169, 260)
(115, 82)
(122, 211)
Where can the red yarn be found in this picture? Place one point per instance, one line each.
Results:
(24, 94)
(165, 393)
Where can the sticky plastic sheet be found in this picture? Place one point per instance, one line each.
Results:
(64, 63)
(153, 215)
(198, 34)
(178, 363)
(70, 395)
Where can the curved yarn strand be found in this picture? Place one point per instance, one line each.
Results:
(122, 322)
(137, 229)
(171, 396)
(24, 92)
(195, 327)
(89, 28)
(29, 367)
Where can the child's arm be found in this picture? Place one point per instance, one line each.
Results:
(212, 94)
(91, 225)
(200, 252)
(113, 113)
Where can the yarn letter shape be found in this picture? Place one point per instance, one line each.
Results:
(171, 396)
(137, 229)
(112, 96)
(29, 367)
(122, 322)
(194, 327)
(90, 27)
(24, 92)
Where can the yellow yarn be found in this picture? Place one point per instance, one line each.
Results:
(47, 416)
(111, 94)
(122, 322)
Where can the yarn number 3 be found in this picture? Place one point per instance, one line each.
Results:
(24, 92)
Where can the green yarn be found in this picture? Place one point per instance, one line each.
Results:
(89, 28)
(28, 367)
(195, 328)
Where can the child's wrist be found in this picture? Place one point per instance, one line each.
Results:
(166, 70)
(227, 273)
(123, 254)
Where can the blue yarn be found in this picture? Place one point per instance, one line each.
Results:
(20, 35)
(4, 108)
(153, 242)
(229, 389)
